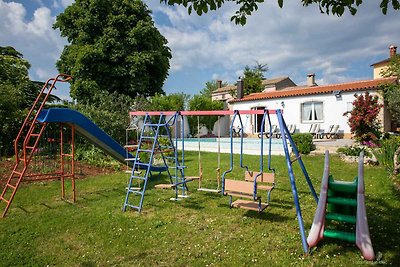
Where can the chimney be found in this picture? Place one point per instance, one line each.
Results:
(311, 79)
(392, 50)
(240, 88)
(219, 83)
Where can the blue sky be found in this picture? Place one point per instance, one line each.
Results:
(293, 41)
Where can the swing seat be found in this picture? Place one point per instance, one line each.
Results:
(239, 188)
(249, 205)
(265, 182)
(243, 189)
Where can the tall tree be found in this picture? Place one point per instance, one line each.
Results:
(114, 47)
(247, 7)
(391, 92)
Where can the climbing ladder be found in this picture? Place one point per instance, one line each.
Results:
(27, 140)
(144, 158)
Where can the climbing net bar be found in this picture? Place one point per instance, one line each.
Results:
(201, 112)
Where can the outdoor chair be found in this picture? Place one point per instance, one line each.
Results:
(331, 133)
(266, 132)
(315, 130)
(291, 128)
(236, 131)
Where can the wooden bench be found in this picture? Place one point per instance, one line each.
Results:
(243, 189)
(265, 181)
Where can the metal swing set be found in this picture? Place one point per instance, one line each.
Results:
(251, 187)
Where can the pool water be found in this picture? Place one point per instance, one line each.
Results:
(251, 146)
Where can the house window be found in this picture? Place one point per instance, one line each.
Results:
(312, 112)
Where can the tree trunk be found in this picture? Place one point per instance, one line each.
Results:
(396, 165)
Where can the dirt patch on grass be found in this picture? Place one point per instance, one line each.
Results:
(82, 170)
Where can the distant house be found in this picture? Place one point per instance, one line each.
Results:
(383, 64)
(225, 93)
(310, 104)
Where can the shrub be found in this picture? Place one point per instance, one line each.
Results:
(94, 156)
(303, 142)
(363, 120)
(385, 153)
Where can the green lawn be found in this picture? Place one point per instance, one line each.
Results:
(41, 230)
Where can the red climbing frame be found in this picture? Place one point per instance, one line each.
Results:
(26, 144)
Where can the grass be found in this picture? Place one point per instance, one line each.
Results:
(41, 230)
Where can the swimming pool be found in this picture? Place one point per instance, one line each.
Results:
(251, 146)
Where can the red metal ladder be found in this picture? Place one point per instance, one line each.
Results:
(27, 141)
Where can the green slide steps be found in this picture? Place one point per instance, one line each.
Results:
(343, 201)
(342, 186)
(340, 217)
(346, 236)
(342, 204)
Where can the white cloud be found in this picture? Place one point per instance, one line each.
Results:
(55, 4)
(43, 74)
(41, 22)
(33, 37)
(293, 41)
(66, 3)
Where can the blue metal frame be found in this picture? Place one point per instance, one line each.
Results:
(231, 156)
(155, 128)
(285, 134)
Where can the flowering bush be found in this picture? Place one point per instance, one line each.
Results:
(363, 119)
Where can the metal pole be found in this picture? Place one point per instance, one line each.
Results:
(62, 162)
(292, 181)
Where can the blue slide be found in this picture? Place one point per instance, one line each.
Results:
(86, 128)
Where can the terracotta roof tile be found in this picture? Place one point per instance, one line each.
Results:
(323, 89)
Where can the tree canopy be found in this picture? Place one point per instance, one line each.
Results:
(253, 77)
(114, 47)
(17, 93)
(201, 102)
(247, 7)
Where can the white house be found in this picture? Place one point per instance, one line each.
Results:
(310, 104)
(306, 105)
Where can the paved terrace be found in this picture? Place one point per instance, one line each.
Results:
(330, 144)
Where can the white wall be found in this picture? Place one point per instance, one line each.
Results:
(333, 110)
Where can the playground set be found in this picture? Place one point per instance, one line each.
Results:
(162, 135)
